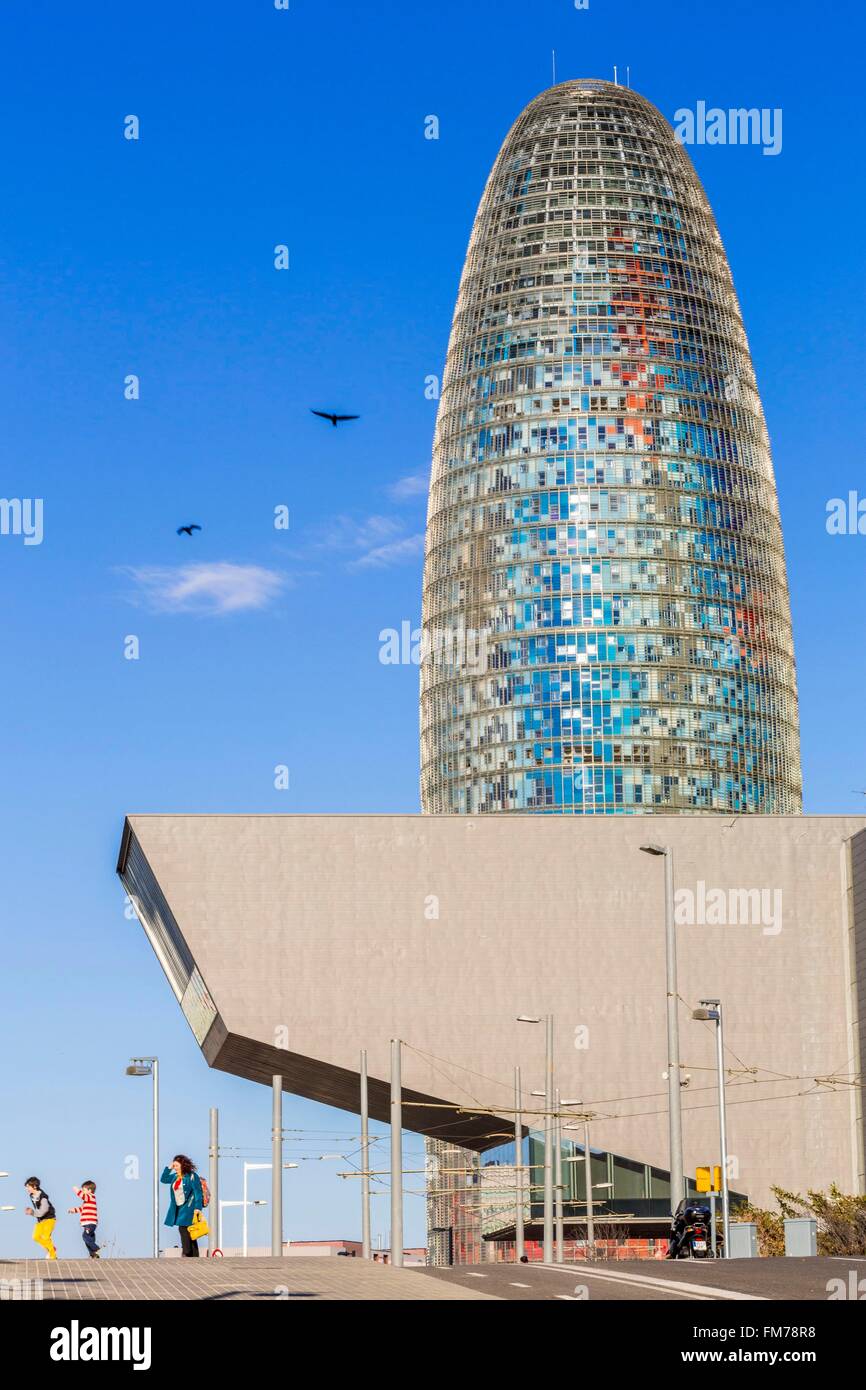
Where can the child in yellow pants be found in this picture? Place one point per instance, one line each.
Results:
(42, 1235)
(46, 1217)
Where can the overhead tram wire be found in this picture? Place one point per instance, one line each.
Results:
(772, 1077)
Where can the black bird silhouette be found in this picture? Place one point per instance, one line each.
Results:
(326, 415)
(188, 530)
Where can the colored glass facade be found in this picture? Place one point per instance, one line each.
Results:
(606, 615)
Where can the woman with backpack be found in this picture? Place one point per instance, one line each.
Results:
(186, 1202)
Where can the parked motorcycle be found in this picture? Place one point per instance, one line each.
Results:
(691, 1232)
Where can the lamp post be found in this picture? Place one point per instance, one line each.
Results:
(547, 1248)
(587, 1161)
(557, 1178)
(276, 1165)
(711, 1012)
(149, 1066)
(250, 1168)
(519, 1238)
(590, 1215)
(675, 1123)
(257, 1202)
(366, 1252)
(213, 1240)
(396, 1153)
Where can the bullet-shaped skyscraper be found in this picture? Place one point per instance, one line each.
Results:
(606, 613)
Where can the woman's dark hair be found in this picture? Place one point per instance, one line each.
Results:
(33, 1182)
(186, 1164)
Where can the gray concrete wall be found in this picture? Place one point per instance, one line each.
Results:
(318, 935)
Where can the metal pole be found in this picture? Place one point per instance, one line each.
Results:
(245, 1209)
(365, 1161)
(547, 1249)
(590, 1215)
(674, 1110)
(155, 1072)
(557, 1165)
(519, 1237)
(277, 1168)
(396, 1155)
(213, 1241)
(713, 1223)
(723, 1132)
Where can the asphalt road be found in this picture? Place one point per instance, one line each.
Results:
(663, 1281)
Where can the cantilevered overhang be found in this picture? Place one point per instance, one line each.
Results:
(292, 942)
(258, 1003)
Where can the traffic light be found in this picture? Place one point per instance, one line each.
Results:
(709, 1179)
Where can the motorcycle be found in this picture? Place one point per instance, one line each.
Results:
(691, 1233)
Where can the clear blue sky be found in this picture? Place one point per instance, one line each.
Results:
(155, 257)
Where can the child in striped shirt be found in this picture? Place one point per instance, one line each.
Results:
(87, 1215)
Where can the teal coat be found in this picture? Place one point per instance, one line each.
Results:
(182, 1213)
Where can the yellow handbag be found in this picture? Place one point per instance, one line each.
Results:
(198, 1227)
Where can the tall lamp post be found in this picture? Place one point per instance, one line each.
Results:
(711, 1012)
(276, 1166)
(149, 1066)
(587, 1172)
(251, 1168)
(559, 1185)
(547, 1248)
(675, 1123)
(396, 1153)
(519, 1241)
(366, 1249)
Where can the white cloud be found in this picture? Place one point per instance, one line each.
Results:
(370, 542)
(350, 533)
(393, 553)
(414, 485)
(218, 588)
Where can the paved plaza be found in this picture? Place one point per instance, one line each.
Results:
(266, 1279)
(272, 1280)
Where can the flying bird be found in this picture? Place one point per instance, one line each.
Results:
(188, 530)
(326, 415)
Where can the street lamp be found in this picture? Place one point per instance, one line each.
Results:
(675, 1123)
(558, 1185)
(711, 1012)
(223, 1203)
(248, 1168)
(519, 1226)
(260, 1168)
(587, 1161)
(149, 1066)
(547, 1249)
